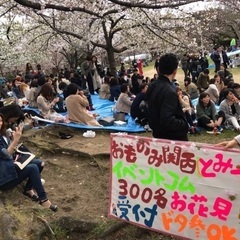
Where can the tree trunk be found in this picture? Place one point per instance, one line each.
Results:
(112, 62)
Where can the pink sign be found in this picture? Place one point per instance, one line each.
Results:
(184, 189)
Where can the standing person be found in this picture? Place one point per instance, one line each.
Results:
(165, 114)
(156, 64)
(220, 57)
(204, 61)
(233, 45)
(13, 176)
(184, 64)
(194, 67)
(87, 73)
(140, 66)
(96, 74)
(135, 81)
(134, 63)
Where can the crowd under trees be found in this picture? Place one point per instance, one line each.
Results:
(63, 32)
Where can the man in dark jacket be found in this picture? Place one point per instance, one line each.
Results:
(220, 57)
(165, 114)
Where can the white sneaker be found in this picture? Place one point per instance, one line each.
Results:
(89, 134)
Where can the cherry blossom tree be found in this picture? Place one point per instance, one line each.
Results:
(113, 26)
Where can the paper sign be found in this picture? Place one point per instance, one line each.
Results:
(185, 189)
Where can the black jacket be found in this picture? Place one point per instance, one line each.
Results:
(165, 114)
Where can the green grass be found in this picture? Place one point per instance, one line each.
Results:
(204, 137)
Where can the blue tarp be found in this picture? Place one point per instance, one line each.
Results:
(104, 109)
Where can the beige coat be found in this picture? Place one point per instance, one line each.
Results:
(104, 92)
(77, 112)
(32, 97)
(124, 103)
(45, 107)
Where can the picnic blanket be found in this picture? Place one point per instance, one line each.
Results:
(102, 107)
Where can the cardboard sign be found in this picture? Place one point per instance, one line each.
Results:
(185, 189)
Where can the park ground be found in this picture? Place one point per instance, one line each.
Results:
(77, 179)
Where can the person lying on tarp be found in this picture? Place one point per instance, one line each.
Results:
(12, 175)
(77, 104)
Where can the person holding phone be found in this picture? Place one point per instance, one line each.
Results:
(46, 103)
(13, 176)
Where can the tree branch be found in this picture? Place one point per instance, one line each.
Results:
(8, 10)
(38, 6)
(170, 4)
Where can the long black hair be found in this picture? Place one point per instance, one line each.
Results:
(12, 111)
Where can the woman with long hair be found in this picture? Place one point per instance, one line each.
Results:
(13, 176)
(187, 108)
(96, 73)
(207, 115)
(230, 107)
(46, 103)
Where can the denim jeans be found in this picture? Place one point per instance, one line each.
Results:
(32, 173)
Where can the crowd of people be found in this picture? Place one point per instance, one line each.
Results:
(159, 103)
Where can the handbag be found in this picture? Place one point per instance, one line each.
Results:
(106, 121)
(119, 116)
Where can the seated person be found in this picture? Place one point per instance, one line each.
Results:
(230, 107)
(46, 103)
(24, 88)
(32, 96)
(138, 107)
(187, 109)
(203, 80)
(219, 83)
(191, 88)
(63, 87)
(16, 88)
(13, 176)
(236, 90)
(124, 103)
(114, 89)
(221, 94)
(104, 92)
(213, 91)
(77, 104)
(206, 114)
(225, 75)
